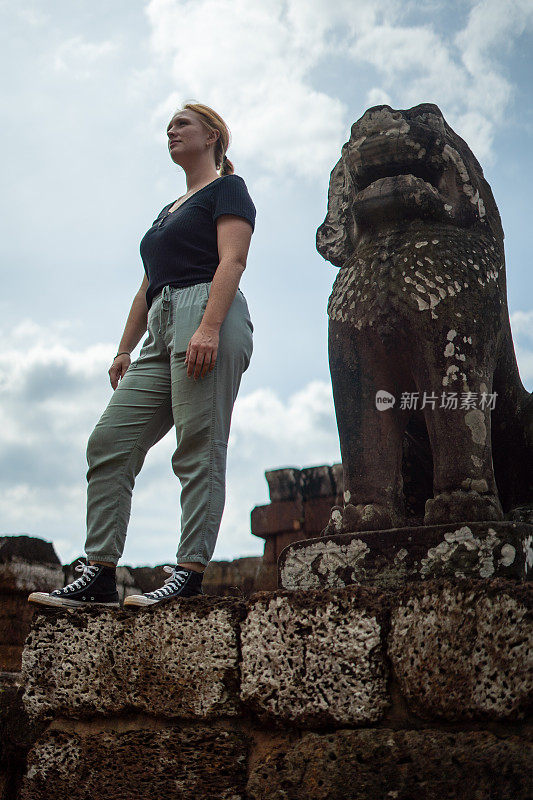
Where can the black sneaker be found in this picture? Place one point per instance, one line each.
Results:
(183, 582)
(95, 587)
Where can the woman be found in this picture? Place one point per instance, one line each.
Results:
(188, 372)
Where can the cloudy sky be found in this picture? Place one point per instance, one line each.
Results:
(89, 87)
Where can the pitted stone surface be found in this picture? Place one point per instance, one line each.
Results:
(198, 762)
(179, 659)
(314, 657)
(388, 764)
(464, 651)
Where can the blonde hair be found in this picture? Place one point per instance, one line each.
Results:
(214, 122)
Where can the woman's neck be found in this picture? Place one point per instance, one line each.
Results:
(198, 177)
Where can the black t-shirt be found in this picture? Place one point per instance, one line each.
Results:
(180, 249)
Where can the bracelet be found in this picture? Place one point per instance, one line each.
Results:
(123, 353)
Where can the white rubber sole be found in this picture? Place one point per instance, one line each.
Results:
(140, 600)
(45, 599)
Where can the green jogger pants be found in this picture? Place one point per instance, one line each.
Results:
(154, 395)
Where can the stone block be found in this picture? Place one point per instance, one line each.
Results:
(148, 578)
(15, 620)
(314, 657)
(21, 578)
(27, 564)
(177, 659)
(267, 577)
(280, 516)
(284, 484)
(270, 556)
(317, 482)
(464, 650)
(9, 689)
(193, 761)
(27, 549)
(317, 512)
(284, 539)
(384, 764)
(337, 475)
(390, 558)
(237, 577)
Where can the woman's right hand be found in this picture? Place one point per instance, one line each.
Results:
(118, 369)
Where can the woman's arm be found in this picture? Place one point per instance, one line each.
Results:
(135, 327)
(233, 240)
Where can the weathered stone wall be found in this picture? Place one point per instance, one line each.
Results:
(345, 694)
(29, 564)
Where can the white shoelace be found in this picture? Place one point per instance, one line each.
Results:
(88, 570)
(176, 580)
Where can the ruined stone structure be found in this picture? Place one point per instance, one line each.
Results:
(347, 694)
(299, 509)
(27, 564)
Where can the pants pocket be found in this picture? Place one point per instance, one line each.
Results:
(187, 319)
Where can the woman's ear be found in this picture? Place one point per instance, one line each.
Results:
(333, 239)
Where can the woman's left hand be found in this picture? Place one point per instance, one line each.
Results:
(202, 352)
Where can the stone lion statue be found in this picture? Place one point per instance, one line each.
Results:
(419, 306)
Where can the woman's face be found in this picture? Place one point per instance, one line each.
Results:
(187, 136)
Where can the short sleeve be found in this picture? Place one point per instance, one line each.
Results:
(232, 198)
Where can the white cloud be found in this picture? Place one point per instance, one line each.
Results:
(525, 364)
(33, 16)
(255, 63)
(493, 24)
(522, 323)
(299, 432)
(377, 97)
(522, 331)
(79, 57)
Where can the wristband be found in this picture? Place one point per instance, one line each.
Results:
(123, 353)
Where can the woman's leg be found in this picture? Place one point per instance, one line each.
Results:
(202, 412)
(138, 415)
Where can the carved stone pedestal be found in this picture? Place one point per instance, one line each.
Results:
(388, 559)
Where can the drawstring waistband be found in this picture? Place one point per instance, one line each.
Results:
(165, 305)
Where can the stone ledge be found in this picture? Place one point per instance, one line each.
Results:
(175, 660)
(458, 650)
(450, 653)
(388, 559)
(315, 658)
